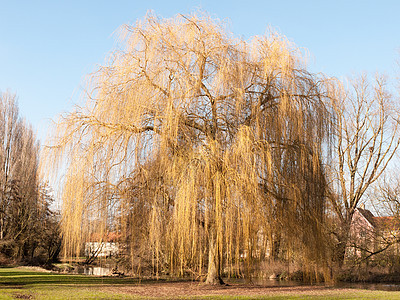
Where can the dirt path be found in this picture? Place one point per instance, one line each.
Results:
(177, 289)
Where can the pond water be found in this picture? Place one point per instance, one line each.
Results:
(104, 271)
(263, 282)
(370, 286)
(350, 285)
(96, 271)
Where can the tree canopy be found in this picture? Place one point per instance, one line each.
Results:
(203, 150)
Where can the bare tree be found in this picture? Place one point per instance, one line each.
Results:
(9, 121)
(366, 138)
(21, 218)
(202, 146)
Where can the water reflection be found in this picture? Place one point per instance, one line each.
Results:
(96, 271)
(370, 286)
(283, 283)
(104, 271)
(263, 282)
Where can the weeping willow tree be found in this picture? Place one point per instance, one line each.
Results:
(204, 151)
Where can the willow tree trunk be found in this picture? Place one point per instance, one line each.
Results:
(343, 239)
(214, 263)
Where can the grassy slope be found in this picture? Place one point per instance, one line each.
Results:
(26, 284)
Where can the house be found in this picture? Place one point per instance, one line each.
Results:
(370, 234)
(101, 249)
(363, 233)
(102, 246)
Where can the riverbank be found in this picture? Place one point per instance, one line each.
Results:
(28, 283)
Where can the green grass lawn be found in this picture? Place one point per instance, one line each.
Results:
(22, 283)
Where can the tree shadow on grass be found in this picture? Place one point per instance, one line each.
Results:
(20, 277)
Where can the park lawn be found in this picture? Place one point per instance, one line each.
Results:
(24, 283)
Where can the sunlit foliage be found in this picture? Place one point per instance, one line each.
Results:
(203, 150)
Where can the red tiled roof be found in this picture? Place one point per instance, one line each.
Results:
(109, 237)
(368, 215)
(380, 222)
(387, 222)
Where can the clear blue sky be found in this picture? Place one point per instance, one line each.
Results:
(48, 47)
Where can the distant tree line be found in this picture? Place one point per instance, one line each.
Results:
(29, 229)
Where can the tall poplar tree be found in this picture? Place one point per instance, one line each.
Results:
(23, 212)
